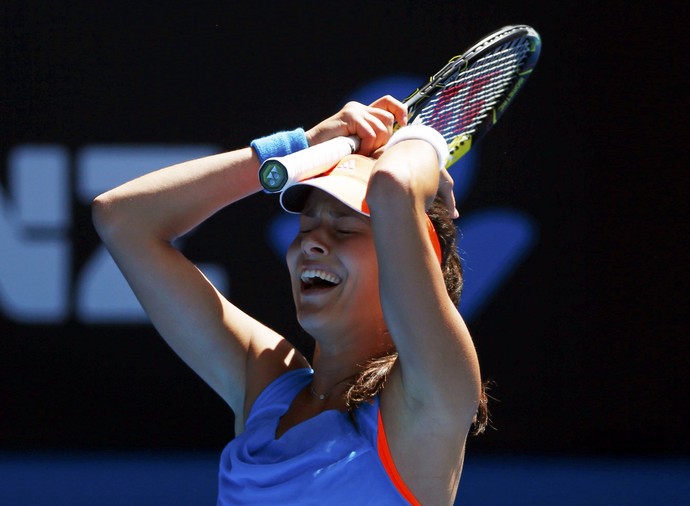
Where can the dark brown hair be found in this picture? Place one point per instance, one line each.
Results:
(372, 378)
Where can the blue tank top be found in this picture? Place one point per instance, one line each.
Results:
(328, 459)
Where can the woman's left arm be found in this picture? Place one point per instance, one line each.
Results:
(437, 370)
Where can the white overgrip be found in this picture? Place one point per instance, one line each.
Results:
(317, 159)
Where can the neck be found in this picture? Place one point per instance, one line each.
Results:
(322, 395)
(335, 367)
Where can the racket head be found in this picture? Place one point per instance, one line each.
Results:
(467, 96)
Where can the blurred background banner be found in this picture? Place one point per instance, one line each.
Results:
(573, 228)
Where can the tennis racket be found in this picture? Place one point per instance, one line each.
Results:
(462, 101)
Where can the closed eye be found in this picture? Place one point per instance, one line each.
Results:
(306, 224)
(348, 224)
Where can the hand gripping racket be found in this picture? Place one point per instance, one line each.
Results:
(462, 101)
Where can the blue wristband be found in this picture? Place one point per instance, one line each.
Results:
(280, 144)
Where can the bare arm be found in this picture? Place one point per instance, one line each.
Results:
(433, 392)
(236, 355)
(138, 222)
(437, 356)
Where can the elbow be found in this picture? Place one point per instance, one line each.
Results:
(408, 172)
(401, 180)
(104, 216)
(387, 187)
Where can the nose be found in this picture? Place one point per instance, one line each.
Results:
(314, 243)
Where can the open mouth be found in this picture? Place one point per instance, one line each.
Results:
(317, 278)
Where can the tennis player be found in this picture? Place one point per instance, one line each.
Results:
(381, 414)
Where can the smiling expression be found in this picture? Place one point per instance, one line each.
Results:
(333, 268)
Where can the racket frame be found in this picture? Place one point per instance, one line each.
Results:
(461, 144)
(274, 173)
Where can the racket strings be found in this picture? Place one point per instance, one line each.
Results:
(476, 91)
(469, 96)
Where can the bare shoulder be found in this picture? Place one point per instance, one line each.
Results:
(270, 355)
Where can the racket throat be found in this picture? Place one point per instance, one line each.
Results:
(458, 148)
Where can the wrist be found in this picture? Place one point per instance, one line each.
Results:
(422, 133)
(279, 144)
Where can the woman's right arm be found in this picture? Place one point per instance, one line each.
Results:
(138, 222)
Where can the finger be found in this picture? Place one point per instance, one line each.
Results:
(393, 106)
(445, 191)
(369, 133)
(387, 119)
(372, 131)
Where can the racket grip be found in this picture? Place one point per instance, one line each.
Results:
(275, 174)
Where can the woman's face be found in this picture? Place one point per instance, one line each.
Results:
(333, 269)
